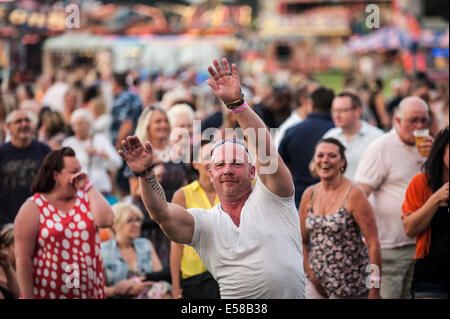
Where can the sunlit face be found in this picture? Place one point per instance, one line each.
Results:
(327, 160)
(158, 128)
(64, 179)
(129, 225)
(415, 116)
(230, 170)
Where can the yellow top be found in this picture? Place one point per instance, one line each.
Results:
(191, 264)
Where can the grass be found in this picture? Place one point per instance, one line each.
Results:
(335, 80)
(332, 80)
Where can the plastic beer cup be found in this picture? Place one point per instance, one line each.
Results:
(420, 136)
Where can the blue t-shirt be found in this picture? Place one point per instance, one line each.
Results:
(297, 149)
(18, 168)
(126, 106)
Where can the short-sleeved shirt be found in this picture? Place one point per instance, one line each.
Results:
(195, 197)
(387, 166)
(356, 146)
(126, 106)
(262, 258)
(18, 167)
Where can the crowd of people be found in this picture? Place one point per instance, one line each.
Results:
(355, 208)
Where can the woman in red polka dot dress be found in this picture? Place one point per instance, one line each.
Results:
(57, 242)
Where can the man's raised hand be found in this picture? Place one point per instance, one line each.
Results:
(224, 81)
(138, 157)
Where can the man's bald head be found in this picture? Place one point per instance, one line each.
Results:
(409, 103)
(413, 114)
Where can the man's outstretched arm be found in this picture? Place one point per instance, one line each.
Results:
(173, 219)
(270, 167)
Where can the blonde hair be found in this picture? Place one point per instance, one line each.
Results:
(98, 106)
(123, 210)
(180, 109)
(84, 114)
(144, 122)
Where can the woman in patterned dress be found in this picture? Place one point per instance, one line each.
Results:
(56, 233)
(335, 215)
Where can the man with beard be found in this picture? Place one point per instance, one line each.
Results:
(20, 160)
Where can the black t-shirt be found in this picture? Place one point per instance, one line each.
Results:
(18, 167)
(297, 148)
(434, 267)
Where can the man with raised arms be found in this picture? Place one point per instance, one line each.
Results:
(251, 241)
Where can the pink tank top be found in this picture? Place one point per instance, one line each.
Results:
(67, 261)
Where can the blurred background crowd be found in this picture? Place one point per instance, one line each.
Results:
(120, 68)
(164, 47)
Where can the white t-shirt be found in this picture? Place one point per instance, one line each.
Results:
(102, 125)
(54, 96)
(262, 258)
(95, 166)
(387, 166)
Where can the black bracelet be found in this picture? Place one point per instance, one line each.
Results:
(143, 173)
(235, 104)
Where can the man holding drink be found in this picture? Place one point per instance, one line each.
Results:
(384, 171)
(422, 136)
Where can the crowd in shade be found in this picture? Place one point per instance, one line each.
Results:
(369, 175)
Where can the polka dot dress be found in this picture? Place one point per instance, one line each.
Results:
(67, 262)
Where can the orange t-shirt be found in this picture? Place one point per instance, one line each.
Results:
(417, 194)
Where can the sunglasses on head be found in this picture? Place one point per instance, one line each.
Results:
(152, 108)
(231, 140)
